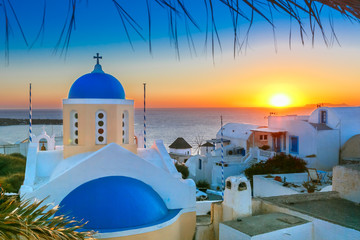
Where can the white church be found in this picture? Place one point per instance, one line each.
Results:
(102, 176)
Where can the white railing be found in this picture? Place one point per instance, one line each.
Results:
(264, 155)
(248, 157)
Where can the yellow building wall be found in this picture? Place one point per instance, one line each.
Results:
(182, 229)
(87, 127)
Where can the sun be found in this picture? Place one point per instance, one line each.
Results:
(280, 100)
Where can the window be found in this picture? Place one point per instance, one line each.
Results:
(242, 186)
(263, 137)
(200, 164)
(125, 124)
(323, 117)
(74, 128)
(100, 127)
(294, 144)
(42, 144)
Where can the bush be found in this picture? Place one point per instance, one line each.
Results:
(12, 183)
(202, 184)
(184, 170)
(10, 164)
(18, 155)
(12, 172)
(278, 164)
(265, 147)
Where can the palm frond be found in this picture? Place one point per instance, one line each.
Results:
(24, 219)
(301, 12)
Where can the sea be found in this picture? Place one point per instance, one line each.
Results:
(165, 124)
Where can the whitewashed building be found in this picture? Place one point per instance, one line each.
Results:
(317, 138)
(237, 139)
(311, 216)
(180, 150)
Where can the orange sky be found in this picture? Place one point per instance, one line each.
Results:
(307, 75)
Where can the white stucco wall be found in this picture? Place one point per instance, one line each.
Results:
(47, 162)
(231, 170)
(329, 231)
(228, 233)
(268, 187)
(237, 202)
(237, 133)
(306, 134)
(114, 160)
(346, 181)
(299, 128)
(204, 207)
(205, 173)
(186, 151)
(333, 119)
(328, 147)
(346, 119)
(280, 121)
(299, 232)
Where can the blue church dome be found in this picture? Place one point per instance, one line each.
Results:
(97, 84)
(114, 202)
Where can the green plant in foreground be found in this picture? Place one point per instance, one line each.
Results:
(31, 220)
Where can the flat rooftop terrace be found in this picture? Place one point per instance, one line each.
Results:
(327, 206)
(260, 224)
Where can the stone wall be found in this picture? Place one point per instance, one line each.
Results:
(346, 181)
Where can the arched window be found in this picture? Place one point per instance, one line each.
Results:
(125, 127)
(100, 127)
(74, 128)
(43, 144)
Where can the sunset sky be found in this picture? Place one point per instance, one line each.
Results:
(305, 74)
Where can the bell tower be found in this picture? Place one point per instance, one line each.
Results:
(97, 113)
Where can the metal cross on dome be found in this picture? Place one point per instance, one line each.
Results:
(97, 58)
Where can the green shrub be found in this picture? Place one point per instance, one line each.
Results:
(184, 170)
(13, 182)
(278, 164)
(203, 184)
(265, 147)
(10, 164)
(18, 155)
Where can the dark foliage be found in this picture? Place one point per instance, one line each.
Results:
(13, 163)
(203, 184)
(13, 182)
(265, 147)
(277, 165)
(18, 155)
(12, 171)
(184, 170)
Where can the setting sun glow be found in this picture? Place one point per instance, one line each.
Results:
(280, 100)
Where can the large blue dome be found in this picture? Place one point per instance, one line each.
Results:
(114, 202)
(97, 84)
